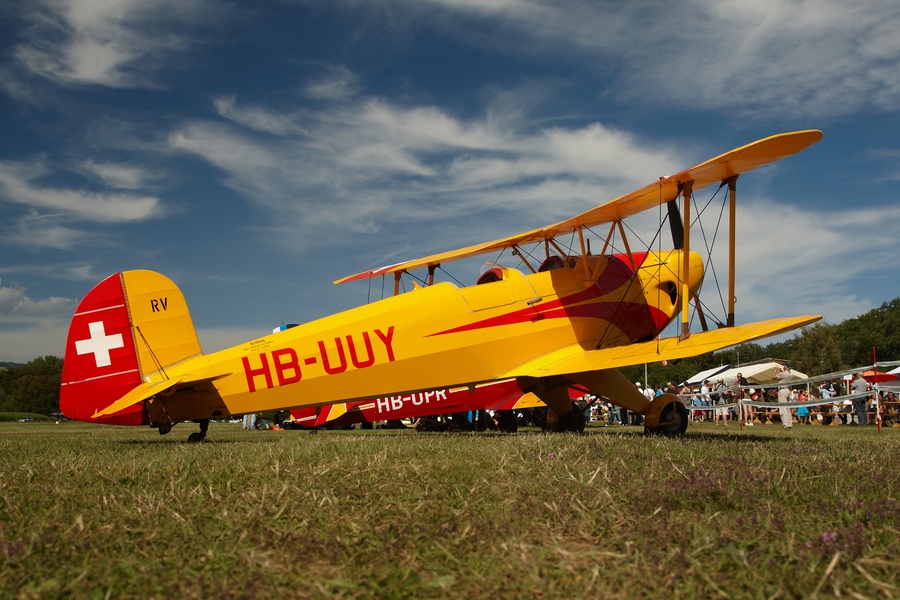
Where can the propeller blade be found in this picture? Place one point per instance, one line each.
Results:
(675, 224)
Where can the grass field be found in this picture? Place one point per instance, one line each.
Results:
(94, 511)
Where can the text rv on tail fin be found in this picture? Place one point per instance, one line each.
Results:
(131, 325)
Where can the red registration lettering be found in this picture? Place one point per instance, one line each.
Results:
(253, 373)
(287, 366)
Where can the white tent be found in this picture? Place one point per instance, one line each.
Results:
(762, 373)
(707, 374)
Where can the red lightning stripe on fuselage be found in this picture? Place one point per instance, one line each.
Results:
(637, 320)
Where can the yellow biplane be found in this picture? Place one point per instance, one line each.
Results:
(565, 318)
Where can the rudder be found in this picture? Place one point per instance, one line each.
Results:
(130, 325)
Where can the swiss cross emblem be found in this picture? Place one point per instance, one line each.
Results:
(99, 344)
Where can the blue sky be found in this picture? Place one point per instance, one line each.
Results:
(255, 152)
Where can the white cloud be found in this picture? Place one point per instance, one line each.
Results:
(35, 231)
(119, 176)
(365, 164)
(340, 83)
(17, 307)
(17, 186)
(794, 260)
(258, 118)
(114, 43)
(778, 57)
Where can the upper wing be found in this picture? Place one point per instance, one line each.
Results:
(574, 359)
(713, 171)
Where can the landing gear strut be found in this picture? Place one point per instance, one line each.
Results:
(199, 436)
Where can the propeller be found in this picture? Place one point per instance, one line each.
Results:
(675, 224)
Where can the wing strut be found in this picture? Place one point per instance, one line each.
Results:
(627, 247)
(686, 189)
(518, 252)
(732, 211)
(698, 307)
(609, 234)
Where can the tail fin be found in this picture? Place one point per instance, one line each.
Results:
(131, 325)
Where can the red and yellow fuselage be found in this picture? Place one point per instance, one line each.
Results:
(438, 336)
(442, 335)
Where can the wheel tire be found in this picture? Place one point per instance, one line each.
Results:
(673, 429)
(574, 422)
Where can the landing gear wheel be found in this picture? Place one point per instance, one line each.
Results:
(506, 421)
(199, 436)
(677, 414)
(573, 422)
(538, 417)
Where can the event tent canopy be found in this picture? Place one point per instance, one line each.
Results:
(707, 374)
(762, 373)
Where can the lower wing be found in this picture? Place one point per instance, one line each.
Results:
(575, 359)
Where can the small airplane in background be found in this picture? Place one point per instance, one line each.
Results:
(568, 317)
(499, 397)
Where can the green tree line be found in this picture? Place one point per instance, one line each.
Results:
(32, 388)
(818, 349)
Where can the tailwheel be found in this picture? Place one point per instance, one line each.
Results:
(199, 436)
(671, 419)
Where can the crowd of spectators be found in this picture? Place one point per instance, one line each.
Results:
(721, 402)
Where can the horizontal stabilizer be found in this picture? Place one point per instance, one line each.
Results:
(145, 391)
(574, 359)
